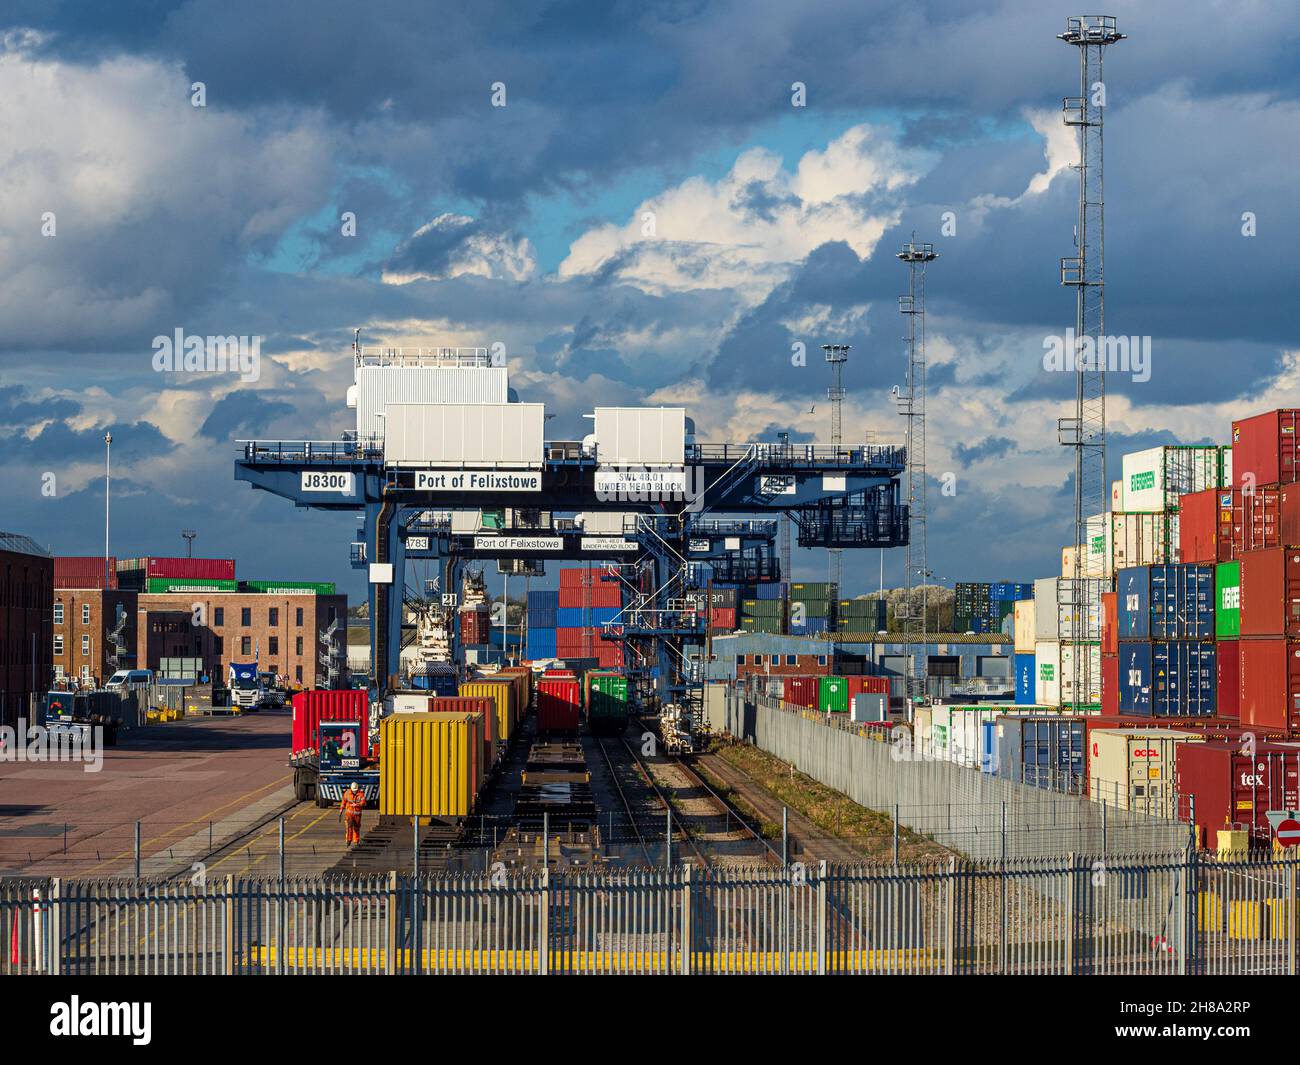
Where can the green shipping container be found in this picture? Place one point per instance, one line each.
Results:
(197, 584)
(820, 590)
(608, 698)
(290, 587)
(810, 608)
(1227, 600)
(775, 625)
(833, 695)
(762, 608)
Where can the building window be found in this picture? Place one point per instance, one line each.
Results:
(246, 645)
(297, 646)
(758, 660)
(218, 646)
(274, 646)
(85, 613)
(740, 660)
(297, 672)
(821, 660)
(219, 615)
(298, 616)
(85, 644)
(275, 616)
(791, 660)
(58, 645)
(58, 613)
(246, 616)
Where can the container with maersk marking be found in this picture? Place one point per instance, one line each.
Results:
(1133, 769)
(430, 765)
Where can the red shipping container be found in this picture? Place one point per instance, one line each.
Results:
(1256, 523)
(1264, 447)
(1270, 592)
(1109, 682)
(84, 571)
(472, 704)
(578, 576)
(1228, 664)
(1233, 789)
(310, 708)
(865, 685)
(1109, 623)
(1269, 676)
(190, 569)
(1289, 515)
(558, 702)
(597, 595)
(475, 626)
(723, 619)
(1205, 526)
(802, 691)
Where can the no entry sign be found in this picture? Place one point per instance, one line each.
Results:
(1288, 833)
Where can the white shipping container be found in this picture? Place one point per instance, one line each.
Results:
(1025, 635)
(1069, 651)
(1047, 673)
(1134, 768)
(1053, 619)
(1141, 539)
(1154, 479)
(378, 386)
(640, 436)
(464, 435)
(1097, 562)
(1225, 458)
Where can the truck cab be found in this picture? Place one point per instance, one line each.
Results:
(340, 762)
(272, 693)
(246, 691)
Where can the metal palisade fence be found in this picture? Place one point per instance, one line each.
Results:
(977, 814)
(1152, 914)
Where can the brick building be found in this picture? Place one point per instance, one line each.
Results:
(26, 610)
(94, 632)
(282, 631)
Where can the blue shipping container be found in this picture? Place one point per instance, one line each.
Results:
(1168, 679)
(437, 683)
(809, 626)
(989, 745)
(1173, 602)
(543, 609)
(1044, 752)
(1025, 679)
(764, 591)
(579, 617)
(541, 643)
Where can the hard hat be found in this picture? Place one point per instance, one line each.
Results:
(354, 785)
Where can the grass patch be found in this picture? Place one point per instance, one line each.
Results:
(833, 812)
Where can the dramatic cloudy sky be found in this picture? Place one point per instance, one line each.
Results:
(523, 225)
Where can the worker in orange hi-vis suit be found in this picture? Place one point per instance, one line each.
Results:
(354, 801)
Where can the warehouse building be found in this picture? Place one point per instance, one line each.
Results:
(26, 610)
(94, 632)
(283, 631)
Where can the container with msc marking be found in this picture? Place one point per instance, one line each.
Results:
(1170, 602)
(1173, 678)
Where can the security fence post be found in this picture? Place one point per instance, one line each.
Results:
(544, 925)
(390, 954)
(52, 928)
(687, 922)
(821, 918)
(228, 967)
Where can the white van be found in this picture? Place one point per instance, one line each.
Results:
(130, 679)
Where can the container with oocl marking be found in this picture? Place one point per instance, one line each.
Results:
(1133, 769)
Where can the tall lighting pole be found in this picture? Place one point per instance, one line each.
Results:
(108, 456)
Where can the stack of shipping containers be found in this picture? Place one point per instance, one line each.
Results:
(176, 574)
(589, 599)
(860, 615)
(717, 605)
(543, 617)
(762, 609)
(811, 608)
(987, 607)
(1165, 625)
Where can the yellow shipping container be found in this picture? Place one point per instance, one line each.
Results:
(430, 765)
(501, 689)
(524, 692)
(1134, 768)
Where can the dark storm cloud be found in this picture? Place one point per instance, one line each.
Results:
(58, 443)
(991, 447)
(249, 413)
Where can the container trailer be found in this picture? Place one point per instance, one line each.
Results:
(608, 709)
(431, 765)
(331, 746)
